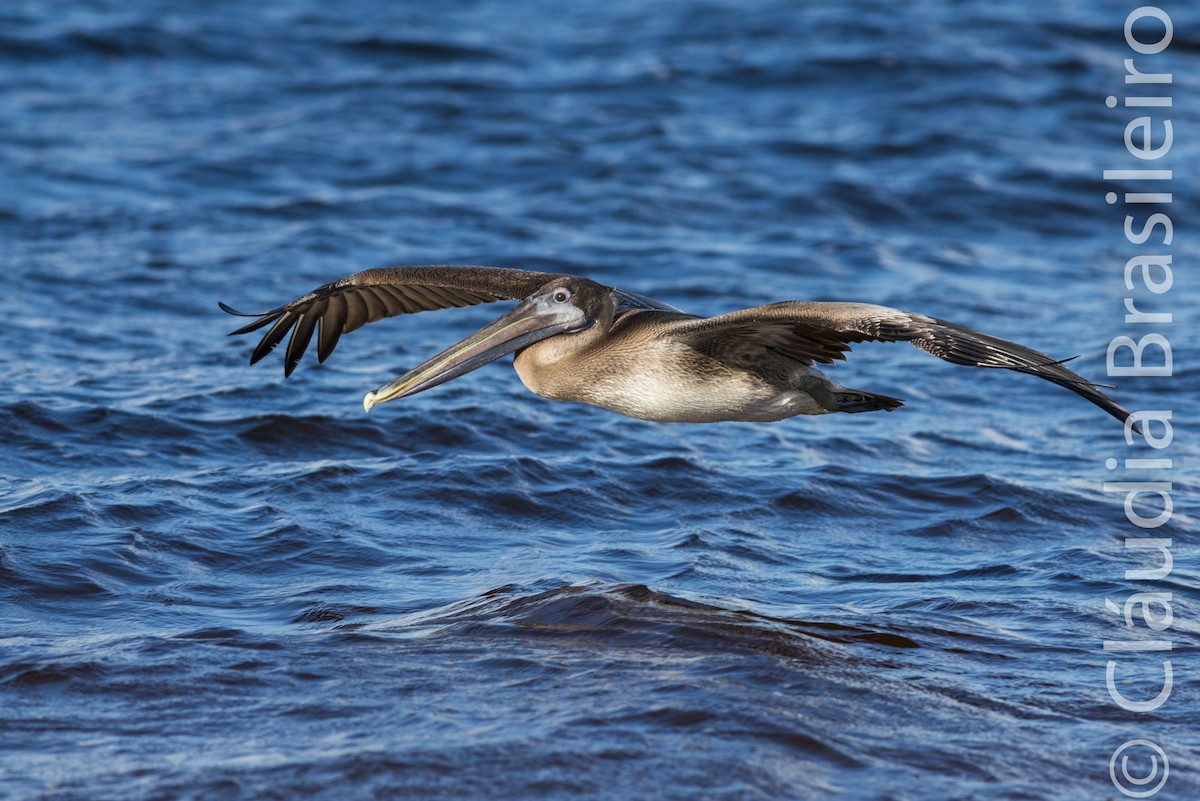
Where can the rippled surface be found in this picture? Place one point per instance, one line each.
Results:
(218, 584)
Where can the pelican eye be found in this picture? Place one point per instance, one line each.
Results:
(562, 296)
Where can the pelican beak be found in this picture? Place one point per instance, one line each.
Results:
(533, 320)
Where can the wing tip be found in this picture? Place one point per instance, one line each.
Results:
(259, 354)
(225, 307)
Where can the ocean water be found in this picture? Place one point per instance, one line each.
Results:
(219, 584)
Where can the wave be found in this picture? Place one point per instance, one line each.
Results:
(630, 616)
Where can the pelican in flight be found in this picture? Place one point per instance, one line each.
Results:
(578, 340)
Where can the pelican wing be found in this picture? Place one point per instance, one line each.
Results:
(349, 303)
(811, 332)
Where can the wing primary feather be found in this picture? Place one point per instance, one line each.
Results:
(396, 300)
(301, 335)
(273, 337)
(376, 308)
(356, 312)
(225, 307)
(330, 328)
(264, 318)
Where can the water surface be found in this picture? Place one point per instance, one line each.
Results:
(215, 583)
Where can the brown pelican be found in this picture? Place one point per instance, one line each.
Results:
(578, 340)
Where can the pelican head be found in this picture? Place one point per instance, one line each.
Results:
(566, 305)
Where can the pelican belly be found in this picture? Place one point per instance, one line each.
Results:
(667, 383)
(684, 398)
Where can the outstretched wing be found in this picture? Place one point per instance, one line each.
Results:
(811, 332)
(349, 303)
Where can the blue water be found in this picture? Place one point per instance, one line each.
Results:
(218, 584)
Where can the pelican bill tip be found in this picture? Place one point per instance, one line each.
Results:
(368, 401)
